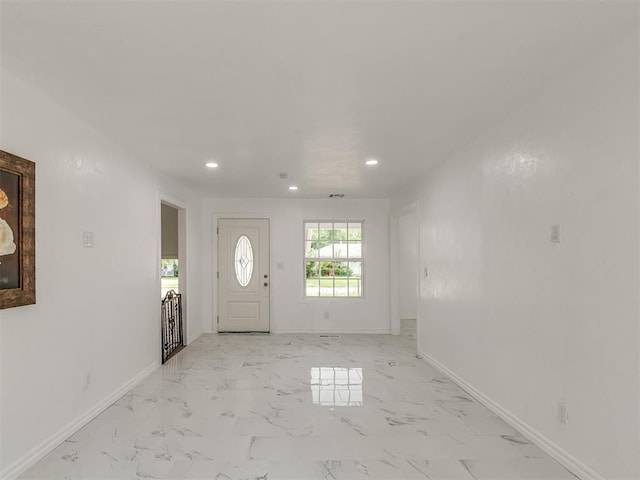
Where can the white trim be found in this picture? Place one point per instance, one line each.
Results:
(571, 463)
(394, 275)
(172, 201)
(320, 259)
(214, 312)
(38, 452)
(215, 253)
(420, 278)
(394, 260)
(215, 216)
(332, 331)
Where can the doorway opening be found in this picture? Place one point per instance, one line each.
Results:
(408, 275)
(170, 251)
(171, 280)
(405, 274)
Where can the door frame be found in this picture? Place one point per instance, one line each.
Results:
(183, 271)
(215, 307)
(394, 260)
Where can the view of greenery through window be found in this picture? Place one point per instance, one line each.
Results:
(168, 276)
(333, 259)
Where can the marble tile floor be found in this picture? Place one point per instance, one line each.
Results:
(298, 407)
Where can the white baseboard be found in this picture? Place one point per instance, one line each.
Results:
(192, 338)
(284, 331)
(333, 331)
(571, 463)
(38, 452)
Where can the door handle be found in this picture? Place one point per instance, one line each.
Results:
(266, 276)
(266, 284)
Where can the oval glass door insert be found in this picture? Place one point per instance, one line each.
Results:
(244, 261)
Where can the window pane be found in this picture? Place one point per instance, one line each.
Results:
(355, 231)
(313, 287)
(324, 244)
(340, 240)
(310, 231)
(313, 281)
(355, 250)
(340, 249)
(326, 279)
(355, 279)
(326, 229)
(342, 287)
(341, 278)
(355, 286)
(326, 251)
(310, 250)
(326, 287)
(340, 232)
(312, 269)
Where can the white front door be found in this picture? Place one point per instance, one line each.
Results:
(243, 277)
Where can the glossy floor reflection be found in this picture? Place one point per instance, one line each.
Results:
(336, 386)
(297, 407)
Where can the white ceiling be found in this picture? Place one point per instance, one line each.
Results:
(308, 88)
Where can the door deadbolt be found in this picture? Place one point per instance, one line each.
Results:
(266, 284)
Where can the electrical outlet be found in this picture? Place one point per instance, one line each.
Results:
(87, 381)
(325, 315)
(555, 233)
(563, 412)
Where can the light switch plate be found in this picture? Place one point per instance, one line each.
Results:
(87, 239)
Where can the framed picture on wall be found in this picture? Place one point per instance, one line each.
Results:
(17, 231)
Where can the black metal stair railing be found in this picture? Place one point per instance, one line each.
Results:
(172, 334)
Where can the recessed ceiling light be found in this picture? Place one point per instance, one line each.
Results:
(371, 161)
(293, 187)
(211, 165)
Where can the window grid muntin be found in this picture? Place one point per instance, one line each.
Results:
(353, 282)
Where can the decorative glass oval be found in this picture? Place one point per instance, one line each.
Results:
(244, 261)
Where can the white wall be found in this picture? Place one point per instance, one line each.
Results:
(408, 265)
(95, 327)
(290, 311)
(527, 322)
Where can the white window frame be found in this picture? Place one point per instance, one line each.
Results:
(346, 259)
